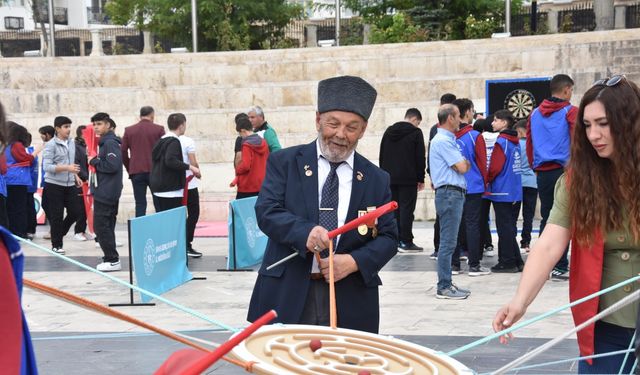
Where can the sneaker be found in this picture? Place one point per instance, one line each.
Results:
(30, 236)
(489, 252)
(409, 247)
(89, 236)
(463, 290)
(119, 244)
(464, 255)
(58, 250)
(79, 237)
(455, 270)
(479, 271)
(451, 293)
(559, 274)
(47, 236)
(434, 255)
(109, 266)
(193, 253)
(501, 268)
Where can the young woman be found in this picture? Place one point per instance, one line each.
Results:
(596, 206)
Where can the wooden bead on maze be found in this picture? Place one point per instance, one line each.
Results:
(315, 344)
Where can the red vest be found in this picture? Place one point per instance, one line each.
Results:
(585, 279)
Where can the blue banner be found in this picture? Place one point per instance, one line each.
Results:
(247, 243)
(158, 245)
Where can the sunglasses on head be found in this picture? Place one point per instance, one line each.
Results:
(610, 82)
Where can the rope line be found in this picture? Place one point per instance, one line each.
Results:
(90, 305)
(626, 356)
(539, 350)
(538, 318)
(131, 286)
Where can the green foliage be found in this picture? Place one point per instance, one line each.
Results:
(567, 24)
(400, 30)
(478, 29)
(223, 25)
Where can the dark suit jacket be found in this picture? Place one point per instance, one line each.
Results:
(287, 210)
(140, 139)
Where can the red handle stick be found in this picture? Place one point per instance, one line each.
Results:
(368, 219)
(223, 349)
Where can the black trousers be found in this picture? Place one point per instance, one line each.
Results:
(4, 220)
(546, 187)
(406, 196)
(32, 220)
(508, 250)
(17, 209)
(165, 204)
(193, 214)
(81, 217)
(529, 201)
(104, 223)
(472, 218)
(58, 198)
(485, 228)
(436, 234)
(240, 195)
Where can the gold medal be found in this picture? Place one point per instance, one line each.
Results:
(362, 229)
(308, 173)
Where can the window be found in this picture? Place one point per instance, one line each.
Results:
(13, 23)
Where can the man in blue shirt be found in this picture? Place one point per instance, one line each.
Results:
(448, 166)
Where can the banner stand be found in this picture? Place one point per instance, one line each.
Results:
(131, 303)
(233, 230)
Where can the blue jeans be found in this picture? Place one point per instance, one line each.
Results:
(140, 182)
(449, 206)
(609, 338)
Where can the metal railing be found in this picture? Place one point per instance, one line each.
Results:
(633, 16)
(577, 19)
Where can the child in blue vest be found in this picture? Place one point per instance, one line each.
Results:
(505, 191)
(32, 221)
(18, 178)
(529, 189)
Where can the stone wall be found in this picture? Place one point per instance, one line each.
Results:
(210, 88)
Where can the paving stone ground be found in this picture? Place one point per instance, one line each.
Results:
(70, 340)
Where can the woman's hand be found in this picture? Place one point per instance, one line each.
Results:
(506, 317)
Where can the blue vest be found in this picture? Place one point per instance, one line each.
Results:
(3, 186)
(33, 187)
(508, 185)
(550, 137)
(16, 175)
(466, 145)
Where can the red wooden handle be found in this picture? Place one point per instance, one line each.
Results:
(369, 218)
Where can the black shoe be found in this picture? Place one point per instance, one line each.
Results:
(501, 268)
(434, 255)
(410, 246)
(194, 254)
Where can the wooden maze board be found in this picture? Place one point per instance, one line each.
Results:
(285, 349)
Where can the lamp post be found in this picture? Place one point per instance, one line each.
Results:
(194, 25)
(507, 16)
(52, 39)
(337, 22)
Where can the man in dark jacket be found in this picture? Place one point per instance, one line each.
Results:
(168, 178)
(402, 155)
(106, 190)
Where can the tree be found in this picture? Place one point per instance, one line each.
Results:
(223, 25)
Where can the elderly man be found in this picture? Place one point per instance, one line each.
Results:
(263, 129)
(311, 189)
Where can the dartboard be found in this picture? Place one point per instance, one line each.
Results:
(520, 102)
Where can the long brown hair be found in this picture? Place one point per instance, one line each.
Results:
(602, 191)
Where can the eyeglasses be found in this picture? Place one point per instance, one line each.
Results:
(610, 82)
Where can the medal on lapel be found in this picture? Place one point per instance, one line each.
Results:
(307, 172)
(362, 229)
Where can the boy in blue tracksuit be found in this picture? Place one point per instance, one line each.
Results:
(106, 190)
(529, 189)
(505, 191)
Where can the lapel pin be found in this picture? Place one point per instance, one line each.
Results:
(308, 172)
(359, 176)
